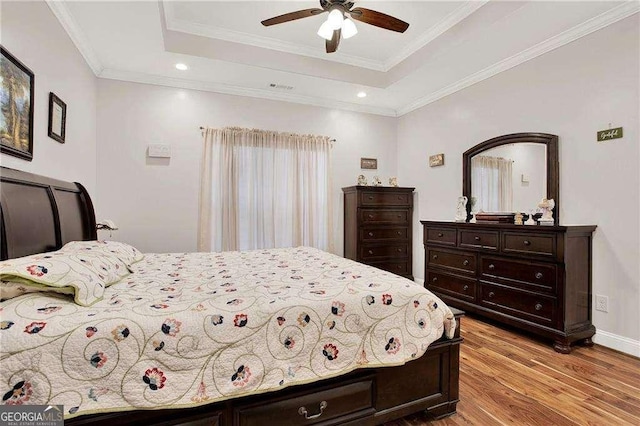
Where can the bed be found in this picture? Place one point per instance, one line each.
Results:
(178, 304)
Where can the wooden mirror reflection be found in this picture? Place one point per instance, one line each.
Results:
(512, 173)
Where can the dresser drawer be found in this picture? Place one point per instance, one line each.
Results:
(389, 233)
(400, 267)
(400, 216)
(452, 285)
(528, 275)
(372, 198)
(529, 306)
(454, 261)
(369, 251)
(340, 404)
(475, 239)
(442, 236)
(541, 244)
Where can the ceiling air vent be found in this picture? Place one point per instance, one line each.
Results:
(280, 86)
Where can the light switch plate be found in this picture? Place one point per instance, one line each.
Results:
(159, 151)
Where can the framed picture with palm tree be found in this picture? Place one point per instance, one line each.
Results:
(16, 106)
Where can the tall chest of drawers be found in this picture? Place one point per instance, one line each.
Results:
(531, 277)
(378, 227)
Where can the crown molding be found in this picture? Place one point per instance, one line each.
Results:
(594, 24)
(434, 32)
(194, 28)
(228, 89)
(72, 28)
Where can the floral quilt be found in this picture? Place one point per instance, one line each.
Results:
(190, 329)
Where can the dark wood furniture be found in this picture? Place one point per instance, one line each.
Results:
(536, 278)
(553, 165)
(39, 214)
(378, 227)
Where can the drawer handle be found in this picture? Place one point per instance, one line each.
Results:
(538, 275)
(492, 266)
(399, 198)
(527, 242)
(435, 257)
(370, 251)
(303, 411)
(465, 263)
(371, 234)
(370, 197)
(399, 267)
(491, 294)
(399, 250)
(440, 235)
(399, 233)
(465, 288)
(399, 216)
(538, 306)
(434, 279)
(476, 238)
(370, 216)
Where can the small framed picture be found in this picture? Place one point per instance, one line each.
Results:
(436, 160)
(369, 163)
(57, 117)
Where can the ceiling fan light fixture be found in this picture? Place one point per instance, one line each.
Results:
(335, 18)
(348, 28)
(326, 31)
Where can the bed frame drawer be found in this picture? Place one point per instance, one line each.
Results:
(330, 407)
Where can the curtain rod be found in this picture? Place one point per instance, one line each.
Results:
(204, 128)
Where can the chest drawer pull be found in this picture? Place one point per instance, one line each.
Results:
(303, 411)
(538, 275)
(492, 266)
(527, 242)
(399, 216)
(371, 234)
(491, 294)
(538, 306)
(370, 197)
(476, 238)
(465, 288)
(434, 279)
(370, 216)
(399, 250)
(399, 198)
(465, 263)
(399, 232)
(440, 234)
(435, 257)
(370, 251)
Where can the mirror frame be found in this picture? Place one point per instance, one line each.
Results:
(553, 165)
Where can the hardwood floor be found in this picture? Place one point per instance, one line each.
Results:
(507, 378)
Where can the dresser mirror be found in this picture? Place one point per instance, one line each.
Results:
(512, 173)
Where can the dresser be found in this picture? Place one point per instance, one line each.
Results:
(378, 227)
(535, 278)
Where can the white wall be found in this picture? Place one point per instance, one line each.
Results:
(573, 92)
(31, 33)
(155, 203)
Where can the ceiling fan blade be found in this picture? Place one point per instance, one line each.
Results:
(378, 19)
(332, 45)
(306, 13)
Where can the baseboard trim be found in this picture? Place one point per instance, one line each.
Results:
(618, 343)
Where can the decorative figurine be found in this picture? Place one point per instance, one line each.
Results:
(461, 212)
(362, 180)
(517, 220)
(376, 181)
(530, 221)
(546, 205)
(393, 181)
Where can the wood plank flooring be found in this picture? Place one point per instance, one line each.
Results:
(508, 378)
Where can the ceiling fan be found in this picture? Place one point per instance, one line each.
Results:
(339, 22)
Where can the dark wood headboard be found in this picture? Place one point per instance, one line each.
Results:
(39, 214)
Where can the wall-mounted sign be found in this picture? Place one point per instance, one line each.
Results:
(607, 135)
(369, 163)
(436, 160)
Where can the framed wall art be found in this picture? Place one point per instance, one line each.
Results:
(369, 163)
(17, 92)
(436, 160)
(57, 117)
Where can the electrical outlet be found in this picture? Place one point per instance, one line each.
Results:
(602, 303)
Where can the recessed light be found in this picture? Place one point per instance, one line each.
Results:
(362, 94)
(182, 67)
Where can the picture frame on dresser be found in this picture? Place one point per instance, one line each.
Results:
(16, 124)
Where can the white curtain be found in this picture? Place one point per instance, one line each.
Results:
(492, 183)
(263, 189)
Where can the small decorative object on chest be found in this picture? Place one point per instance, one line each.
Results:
(393, 181)
(461, 212)
(362, 180)
(530, 220)
(376, 181)
(546, 205)
(517, 220)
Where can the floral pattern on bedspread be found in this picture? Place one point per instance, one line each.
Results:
(189, 329)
